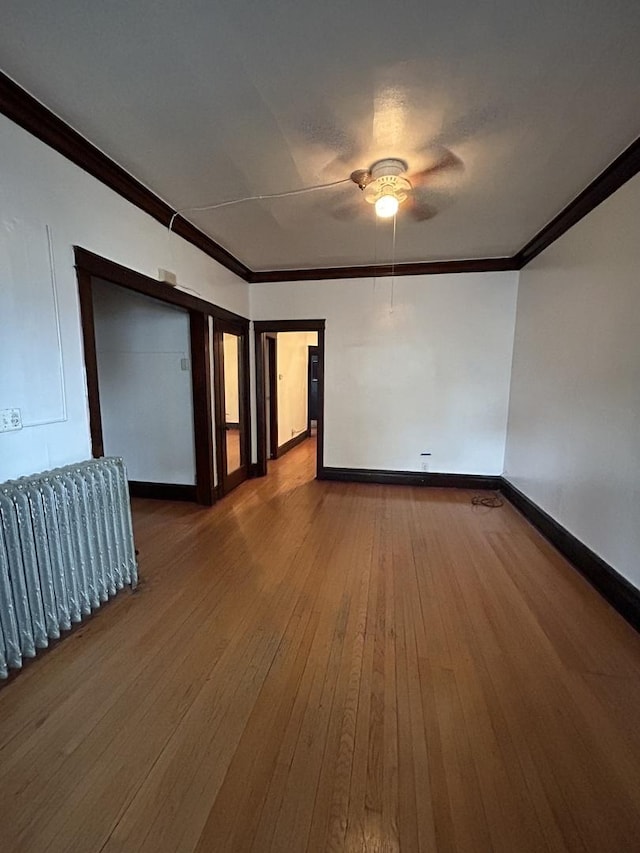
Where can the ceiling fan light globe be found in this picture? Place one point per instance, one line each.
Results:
(386, 206)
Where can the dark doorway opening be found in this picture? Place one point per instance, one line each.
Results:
(312, 391)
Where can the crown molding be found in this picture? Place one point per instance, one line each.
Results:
(614, 176)
(383, 270)
(22, 108)
(623, 168)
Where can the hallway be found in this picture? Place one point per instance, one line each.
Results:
(324, 666)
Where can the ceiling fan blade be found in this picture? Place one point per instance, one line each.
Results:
(418, 208)
(447, 162)
(470, 125)
(349, 210)
(320, 129)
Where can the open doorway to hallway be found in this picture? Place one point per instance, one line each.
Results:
(290, 389)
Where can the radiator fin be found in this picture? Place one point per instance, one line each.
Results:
(66, 546)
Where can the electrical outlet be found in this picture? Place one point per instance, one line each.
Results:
(424, 465)
(10, 419)
(184, 364)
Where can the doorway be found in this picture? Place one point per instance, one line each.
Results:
(194, 362)
(143, 358)
(278, 428)
(231, 364)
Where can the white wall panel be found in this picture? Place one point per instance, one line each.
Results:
(144, 375)
(428, 372)
(574, 425)
(40, 188)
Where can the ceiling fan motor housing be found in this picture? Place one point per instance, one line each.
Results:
(386, 179)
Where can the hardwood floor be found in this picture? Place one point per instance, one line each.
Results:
(234, 460)
(323, 666)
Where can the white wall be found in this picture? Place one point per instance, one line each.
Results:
(39, 318)
(430, 374)
(144, 377)
(292, 351)
(574, 423)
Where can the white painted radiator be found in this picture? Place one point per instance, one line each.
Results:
(66, 546)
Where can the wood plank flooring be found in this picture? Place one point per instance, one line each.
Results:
(317, 666)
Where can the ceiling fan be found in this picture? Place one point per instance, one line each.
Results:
(386, 185)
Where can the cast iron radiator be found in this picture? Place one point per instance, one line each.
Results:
(66, 546)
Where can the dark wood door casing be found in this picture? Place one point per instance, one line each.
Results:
(261, 329)
(228, 481)
(90, 265)
(272, 361)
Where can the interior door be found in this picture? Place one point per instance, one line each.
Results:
(232, 411)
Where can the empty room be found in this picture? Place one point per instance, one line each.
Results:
(319, 427)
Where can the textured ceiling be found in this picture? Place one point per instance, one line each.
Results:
(208, 101)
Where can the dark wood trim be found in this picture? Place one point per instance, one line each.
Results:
(623, 168)
(23, 109)
(320, 432)
(617, 590)
(271, 344)
(200, 374)
(411, 478)
(202, 416)
(614, 176)
(383, 270)
(262, 455)
(245, 397)
(85, 295)
(293, 442)
(162, 491)
(218, 399)
(276, 326)
(261, 328)
(115, 273)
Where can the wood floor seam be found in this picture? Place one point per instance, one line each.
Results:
(326, 666)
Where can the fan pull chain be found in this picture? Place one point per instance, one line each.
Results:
(393, 263)
(375, 254)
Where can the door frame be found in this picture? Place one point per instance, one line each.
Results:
(311, 351)
(261, 329)
(228, 482)
(88, 266)
(271, 344)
